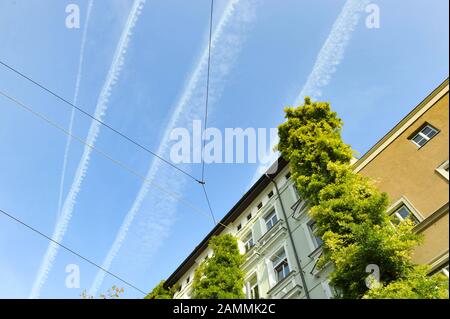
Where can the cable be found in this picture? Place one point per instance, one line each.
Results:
(209, 203)
(98, 121)
(174, 195)
(203, 182)
(207, 91)
(71, 251)
(106, 155)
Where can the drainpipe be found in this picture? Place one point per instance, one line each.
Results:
(297, 259)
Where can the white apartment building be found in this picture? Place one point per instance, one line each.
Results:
(276, 235)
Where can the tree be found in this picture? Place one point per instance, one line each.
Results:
(112, 293)
(417, 285)
(160, 292)
(349, 210)
(220, 276)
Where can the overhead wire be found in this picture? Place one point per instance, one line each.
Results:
(129, 139)
(172, 194)
(203, 182)
(16, 219)
(104, 154)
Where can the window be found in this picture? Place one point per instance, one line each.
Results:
(443, 169)
(270, 194)
(249, 216)
(254, 289)
(288, 175)
(259, 206)
(248, 242)
(188, 279)
(239, 227)
(401, 214)
(280, 265)
(299, 208)
(424, 135)
(271, 219)
(313, 228)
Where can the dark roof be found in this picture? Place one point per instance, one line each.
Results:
(231, 216)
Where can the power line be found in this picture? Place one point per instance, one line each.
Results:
(98, 120)
(209, 203)
(70, 250)
(174, 195)
(207, 89)
(203, 182)
(106, 155)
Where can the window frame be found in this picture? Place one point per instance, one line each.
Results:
(246, 239)
(400, 217)
(282, 263)
(317, 241)
(269, 216)
(424, 137)
(443, 169)
(403, 201)
(253, 285)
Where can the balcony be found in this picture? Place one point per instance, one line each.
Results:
(287, 288)
(251, 256)
(273, 235)
(277, 232)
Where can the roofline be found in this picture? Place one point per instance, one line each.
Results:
(437, 94)
(231, 216)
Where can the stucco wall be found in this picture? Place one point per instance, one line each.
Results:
(404, 169)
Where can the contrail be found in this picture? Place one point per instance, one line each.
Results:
(75, 101)
(332, 52)
(329, 57)
(184, 111)
(100, 110)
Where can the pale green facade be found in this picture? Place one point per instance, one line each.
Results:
(270, 239)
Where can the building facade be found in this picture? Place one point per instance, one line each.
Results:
(276, 234)
(411, 165)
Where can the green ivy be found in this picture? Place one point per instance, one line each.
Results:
(350, 211)
(220, 277)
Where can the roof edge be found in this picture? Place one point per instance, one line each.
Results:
(359, 164)
(237, 209)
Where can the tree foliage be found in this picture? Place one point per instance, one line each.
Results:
(220, 276)
(112, 293)
(160, 292)
(350, 211)
(416, 285)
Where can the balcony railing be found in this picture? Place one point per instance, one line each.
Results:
(286, 288)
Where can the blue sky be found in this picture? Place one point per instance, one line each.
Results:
(263, 55)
